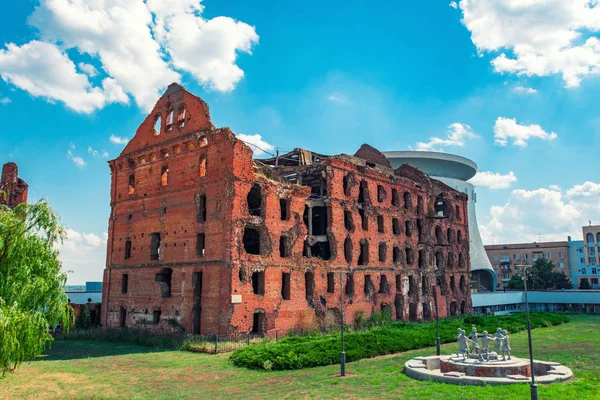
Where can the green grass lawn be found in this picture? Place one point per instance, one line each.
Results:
(87, 369)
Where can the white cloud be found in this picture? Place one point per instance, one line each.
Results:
(44, 70)
(77, 160)
(553, 214)
(256, 143)
(96, 153)
(537, 37)
(554, 187)
(524, 90)
(140, 45)
(493, 180)
(453, 5)
(506, 129)
(118, 140)
(4, 100)
(338, 98)
(84, 255)
(457, 133)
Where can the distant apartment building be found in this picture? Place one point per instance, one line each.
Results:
(584, 257)
(504, 257)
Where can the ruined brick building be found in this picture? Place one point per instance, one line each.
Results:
(204, 239)
(13, 190)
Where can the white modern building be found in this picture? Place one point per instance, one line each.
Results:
(454, 171)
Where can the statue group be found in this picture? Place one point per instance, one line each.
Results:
(481, 344)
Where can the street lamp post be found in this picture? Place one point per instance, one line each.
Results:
(533, 386)
(343, 353)
(437, 321)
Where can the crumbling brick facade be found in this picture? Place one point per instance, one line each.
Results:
(13, 190)
(204, 239)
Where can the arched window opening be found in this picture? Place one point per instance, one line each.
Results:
(181, 116)
(395, 198)
(459, 236)
(407, 201)
(157, 125)
(420, 207)
(462, 284)
(254, 200)
(589, 238)
(409, 256)
(439, 236)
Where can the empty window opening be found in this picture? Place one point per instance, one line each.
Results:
(258, 282)
(459, 236)
(408, 228)
(380, 193)
(348, 250)
(202, 141)
(399, 306)
(449, 236)
(462, 307)
(157, 125)
(319, 249)
(284, 208)
(330, 282)
(284, 246)
(315, 219)
(461, 261)
(422, 258)
(170, 119)
(363, 257)
(154, 245)
(201, 212)
(452, 284)
(441, 281)
(349, 289)
(363, 219)
(285, 285)
(453, 309)
(156, 317)
(395, 198)
(196, 302)
(200, 244)
(254, 200)
(457, 212)
(363, 193)
(384, 286)
(398, 284)
(412, 286)
(164, 175)
(419, 230)
(251, 240)
(369, 287)
(347, 184)
(395, 226)
(181, 116)
(425, 286)
(382, 252)
(128, 249)
(420, 207)
(412, 311)
(407, 201)
(309, 285)
(131, 184)
(380, 224)
(259, 323)
(441, 206)
(439, 236)
(462, 284)
(124, 283)
(163, 278)
(122, 317)
(426, 312)
(348, 221)
(396, 255)
(409, 256)
(439, 261)
(202, 166)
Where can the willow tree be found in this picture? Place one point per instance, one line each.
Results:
(32, 297)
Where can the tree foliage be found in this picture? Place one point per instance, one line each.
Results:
(584, 283)
(541, 276)
(32, 297)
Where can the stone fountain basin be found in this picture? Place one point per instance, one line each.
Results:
(454, 370)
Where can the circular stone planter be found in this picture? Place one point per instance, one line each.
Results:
(454, 370)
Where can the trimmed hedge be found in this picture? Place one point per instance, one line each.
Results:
(313, 351)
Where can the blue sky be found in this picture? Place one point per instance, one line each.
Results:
(512, 85)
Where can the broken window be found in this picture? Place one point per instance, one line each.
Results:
(284, 246)
(157, 125)
(364, 220)
(382, 252)
(421, 258)
(124, 283)
(156, 317)
(398, 284)
(380, 224)
(309, 284)
(284, 208)
(347, 184)
(384, 287)
(131, 184)
(181, 116)
(395, 198)
(200, 244)
(407, 201)
(259, 323)
(251, 240)
(254, 200)
(330, 282)
(164, 175)
(154, 245)
(380, 193)
(369, 287)
(419, 230)
(201, 211)
(459, 236)
(408, 228)
(349, 290)
(425, 286)
(348, 250)
(163, 278)
(348, 221)
(127, 249)
(122, 317)
(285, 285)
(409, 256)
(439, 236)
(395, 226)
(457, 212)
(363, 257)
(396, 255)
(258, 282)
(449, 236)
(420, 208)
(202, 166)
(363, 193)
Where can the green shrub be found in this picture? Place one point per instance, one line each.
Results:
(317, 350)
